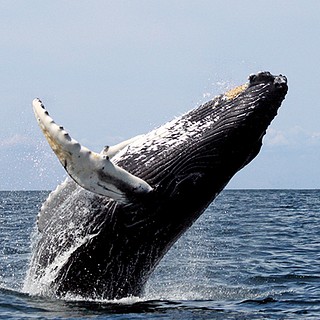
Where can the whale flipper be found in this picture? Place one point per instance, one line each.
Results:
(93, 171)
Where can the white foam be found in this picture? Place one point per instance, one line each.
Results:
(41, 284)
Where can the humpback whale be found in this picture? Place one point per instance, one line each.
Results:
(103, 231)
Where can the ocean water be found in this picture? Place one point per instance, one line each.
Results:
(254, 254)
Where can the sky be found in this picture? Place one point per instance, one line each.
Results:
(109, 70)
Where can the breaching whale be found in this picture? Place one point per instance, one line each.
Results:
(103, 231)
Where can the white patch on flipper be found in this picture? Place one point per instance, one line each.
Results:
(93, 171)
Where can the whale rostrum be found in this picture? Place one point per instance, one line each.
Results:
(103, 232)
(92, 171)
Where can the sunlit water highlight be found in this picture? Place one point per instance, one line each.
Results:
(252, 255)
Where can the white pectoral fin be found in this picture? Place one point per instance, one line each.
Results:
(93, 171)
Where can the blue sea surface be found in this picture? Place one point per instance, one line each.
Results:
(254, 254)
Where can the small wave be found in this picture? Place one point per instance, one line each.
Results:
(140, 306)
(284, 278)
(260, 301)
(9, 291)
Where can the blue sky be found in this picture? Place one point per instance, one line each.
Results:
(108, 70)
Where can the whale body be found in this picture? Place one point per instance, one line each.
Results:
(103, 231)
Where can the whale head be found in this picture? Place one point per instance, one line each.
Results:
(203, 149)
(242, 117)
